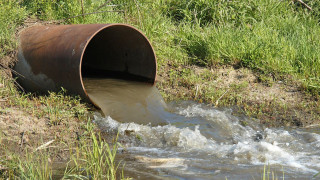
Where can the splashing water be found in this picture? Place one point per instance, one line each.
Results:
(202, 142)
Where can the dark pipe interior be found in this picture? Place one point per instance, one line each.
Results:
(119, 51)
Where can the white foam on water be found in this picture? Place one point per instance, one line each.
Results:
(160, 136)
(266, 151)
(278, 146)
(162, 162)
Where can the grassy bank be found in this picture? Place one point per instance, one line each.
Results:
(276, 41)
(200, 45)
(45, 137)
(274, 38)
(51, 137)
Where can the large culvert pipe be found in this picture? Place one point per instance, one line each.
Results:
(55, 56)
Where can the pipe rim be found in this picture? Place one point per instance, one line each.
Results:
(89, 40)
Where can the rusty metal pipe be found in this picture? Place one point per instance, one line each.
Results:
(55, 56)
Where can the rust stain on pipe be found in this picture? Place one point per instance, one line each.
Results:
(51, 57)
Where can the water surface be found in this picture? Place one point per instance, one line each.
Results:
(198, 141)
(127, 101)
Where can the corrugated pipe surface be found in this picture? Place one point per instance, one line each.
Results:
(51, 57)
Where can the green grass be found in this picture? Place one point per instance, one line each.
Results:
(11, 16)
(269, 174)
(57, 107)
(91, 158)
(95, 159)
(268, 36)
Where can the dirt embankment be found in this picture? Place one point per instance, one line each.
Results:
(275, 103)
(21, 131)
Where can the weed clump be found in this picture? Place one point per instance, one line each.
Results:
(217, 13)
(11, 16)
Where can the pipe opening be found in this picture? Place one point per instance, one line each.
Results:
(119, 51)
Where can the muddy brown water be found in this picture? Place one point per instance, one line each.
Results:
(127, 101)
(187, 140)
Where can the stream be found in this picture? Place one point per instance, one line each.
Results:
(187, 140)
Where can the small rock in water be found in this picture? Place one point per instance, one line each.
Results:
(258, 137)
